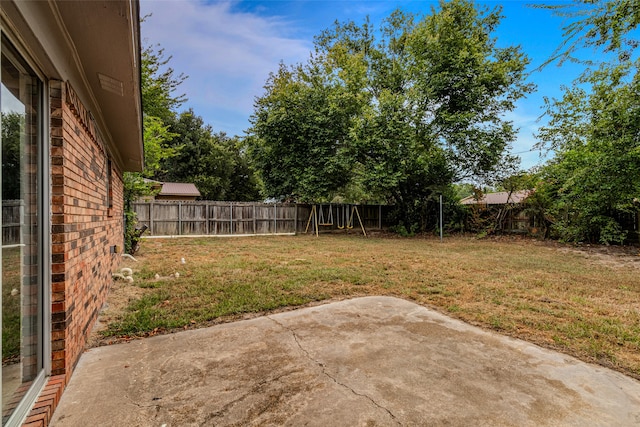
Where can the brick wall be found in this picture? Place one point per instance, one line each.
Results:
(83, 227)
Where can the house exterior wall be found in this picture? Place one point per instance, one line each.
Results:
(85, 231)
(85, 135)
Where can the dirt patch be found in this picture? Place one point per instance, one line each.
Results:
(611, 256)
(608, 255)
(121, 294)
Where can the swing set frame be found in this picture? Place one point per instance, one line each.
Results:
(347, 218)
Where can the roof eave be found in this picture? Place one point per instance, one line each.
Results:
(106, 37)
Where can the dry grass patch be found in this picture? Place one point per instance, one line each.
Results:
(581, 302)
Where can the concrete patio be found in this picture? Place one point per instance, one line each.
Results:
(373, 361)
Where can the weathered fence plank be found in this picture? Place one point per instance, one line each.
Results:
(172, 218)
(12, 212)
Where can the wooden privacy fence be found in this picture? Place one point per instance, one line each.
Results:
(183, 218)
(11, 221)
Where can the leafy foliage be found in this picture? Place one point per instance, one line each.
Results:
(596, 172)
(12, 128)
(599, 24)
(180, 147)
(299, 130)
(595, 176)
(215, 163)
(158, 84)
(392, 115)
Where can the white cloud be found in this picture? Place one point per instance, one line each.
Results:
(227, 54)
(10, 104)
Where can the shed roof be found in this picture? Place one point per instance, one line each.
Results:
(179, 189)
(498, 198)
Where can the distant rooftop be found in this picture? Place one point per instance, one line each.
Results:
(179, 189)
(498, 198)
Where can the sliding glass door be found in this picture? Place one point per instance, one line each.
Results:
(22, 229)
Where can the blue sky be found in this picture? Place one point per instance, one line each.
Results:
(228, 48)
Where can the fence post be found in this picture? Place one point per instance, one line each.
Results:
(380, 217)
(275, 218)
(231, 217)
(151, 212)
(441, 226)
(255, 226)
(179, 218)
(295, 219)
(206, 217)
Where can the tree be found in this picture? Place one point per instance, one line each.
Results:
(597, 24)
(12, 158)
(157, 145)
(158, 84)
(596, 172)
(595, 176)
(299, 132)
(215, 163)
(244, 185)
(400, 113)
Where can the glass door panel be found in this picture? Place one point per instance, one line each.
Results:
(21, 279)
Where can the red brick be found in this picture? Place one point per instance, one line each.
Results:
(39, 415)
(57, 364)
(78, 205)
(57, 355)
(57, 307)
(57, 268)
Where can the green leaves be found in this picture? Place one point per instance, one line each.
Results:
(596, 173)
(12, 128)
(391, 115)
(158, 84)
(606, 25)
(214, 162)
(157, 138)
(181, 147)
(300, 127)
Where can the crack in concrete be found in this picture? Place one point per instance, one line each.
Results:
(324, 371)
(256, 388)
(140, 405)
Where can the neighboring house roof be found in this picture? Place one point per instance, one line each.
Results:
(154, 184)
(179, 189)
(499, 198)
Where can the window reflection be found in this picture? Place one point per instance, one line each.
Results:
(20, 123)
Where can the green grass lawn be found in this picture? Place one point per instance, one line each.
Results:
(10, 304)
(584, 303)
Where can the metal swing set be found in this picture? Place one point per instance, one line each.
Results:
(344, 218)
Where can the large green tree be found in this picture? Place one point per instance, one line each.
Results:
(180, 147)
(158, 86)
(400, 112)
(12, 156)
(299, 133)
(594, 180)
(595, 175)
(214, 162)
